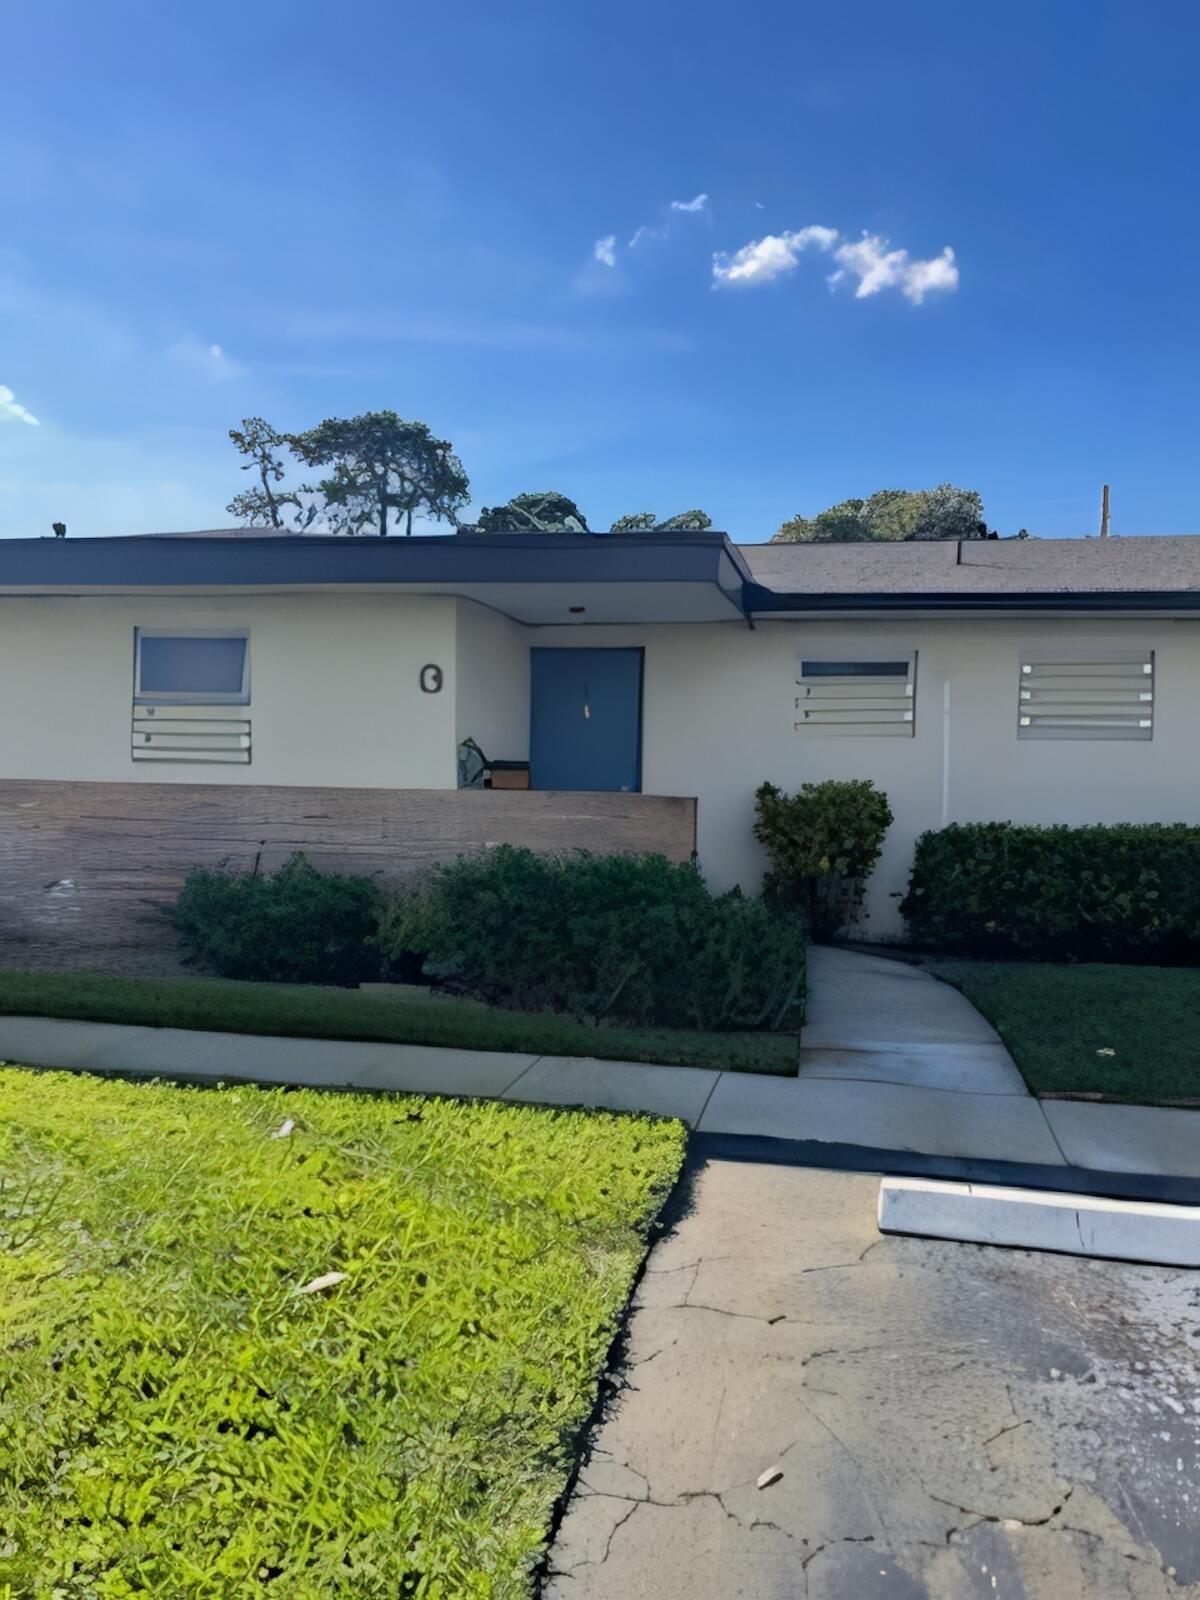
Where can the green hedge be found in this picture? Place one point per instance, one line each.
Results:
(1129, 892)
(296, 925)
(637, 939)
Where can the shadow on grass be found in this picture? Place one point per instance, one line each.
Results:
(228, 1006)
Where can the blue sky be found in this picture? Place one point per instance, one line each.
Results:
(308, 210)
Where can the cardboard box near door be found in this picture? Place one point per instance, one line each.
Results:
(509, 775)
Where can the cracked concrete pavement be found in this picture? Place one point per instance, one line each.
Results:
(949, 1420)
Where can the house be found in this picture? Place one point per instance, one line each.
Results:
(171, 699)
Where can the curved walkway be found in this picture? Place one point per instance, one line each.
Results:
(891, 1060)
(878, 1021)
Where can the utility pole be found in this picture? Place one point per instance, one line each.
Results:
(1104, 514)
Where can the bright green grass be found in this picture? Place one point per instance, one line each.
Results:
(176, 1420)
(1056, 1019)
(320, 1013)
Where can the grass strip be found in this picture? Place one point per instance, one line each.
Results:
(1122, 1032)
(226, 1006)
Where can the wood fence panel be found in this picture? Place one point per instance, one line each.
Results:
(89, 866)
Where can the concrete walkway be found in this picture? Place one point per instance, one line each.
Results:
(890, 1059)
(877, 1021)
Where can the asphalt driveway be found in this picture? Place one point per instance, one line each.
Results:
(935, 1419)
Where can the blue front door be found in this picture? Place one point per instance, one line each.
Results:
(586, 719)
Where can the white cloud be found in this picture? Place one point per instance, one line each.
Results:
(606, 250)
(877, 267)
(11, 410)
(660, 230)
(923, 277)
(870, 261)
(218, 362)
(763, 260)
(208, 359)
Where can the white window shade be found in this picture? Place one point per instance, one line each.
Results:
(857, 698)
(1096, 699)
(190, 733)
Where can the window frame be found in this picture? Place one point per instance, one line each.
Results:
(190, 697)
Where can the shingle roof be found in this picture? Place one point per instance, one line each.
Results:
(988, 566)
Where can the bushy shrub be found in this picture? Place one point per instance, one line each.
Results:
(823, 844)
(1129, 892)
(296, 925)
(631, 938)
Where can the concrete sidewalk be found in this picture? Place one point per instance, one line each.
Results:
(934, 1122)
(890, 1058)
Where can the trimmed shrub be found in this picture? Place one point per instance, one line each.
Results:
(296, 925)
(1129, 892)
(823, 844)
(632, 938)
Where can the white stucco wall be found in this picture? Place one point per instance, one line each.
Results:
(336, 701)
(719, 711)
(492, 681)
(334, 691)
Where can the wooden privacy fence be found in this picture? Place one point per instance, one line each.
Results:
(89, 866)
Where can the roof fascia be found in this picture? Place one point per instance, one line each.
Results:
(762, 603)
(133, 563)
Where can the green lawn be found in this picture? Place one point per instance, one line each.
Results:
(178, 1417)
(321, 1013)
(1057, 1020)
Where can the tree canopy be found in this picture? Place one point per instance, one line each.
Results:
(696, 521)
(550, 511)
(647, 522)
(543, 511)
(382, 464)
(264, 505)
(945, 512)
(380, 470)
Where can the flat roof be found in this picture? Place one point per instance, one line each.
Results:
(641, 577)
(533, 577)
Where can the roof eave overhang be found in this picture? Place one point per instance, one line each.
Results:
(764, 605)
(438, 565)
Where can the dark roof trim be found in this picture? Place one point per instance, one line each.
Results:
(269, 561)
(165, 562)
(759, 601)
